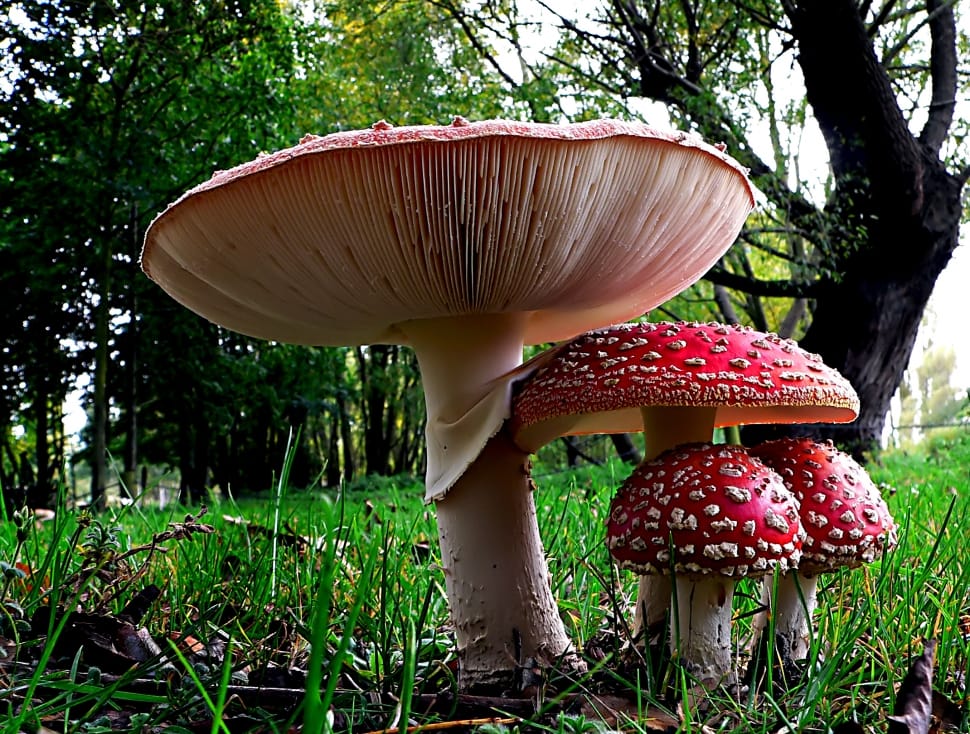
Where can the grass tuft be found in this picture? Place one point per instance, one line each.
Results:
(327, 612)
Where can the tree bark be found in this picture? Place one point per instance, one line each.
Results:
(626, 450)
(893, 194)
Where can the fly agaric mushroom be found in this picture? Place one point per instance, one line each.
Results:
(708, 515)
(676, 382)
(846, 521)
(465, 242)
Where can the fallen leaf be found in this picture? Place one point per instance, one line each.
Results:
(913, 711)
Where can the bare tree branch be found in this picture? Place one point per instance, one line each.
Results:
(768, 288)
(943, 75)
(460, 17)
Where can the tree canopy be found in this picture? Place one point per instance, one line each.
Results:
(109, 110)
(846, 260)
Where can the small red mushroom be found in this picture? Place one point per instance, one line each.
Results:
(846, 521)
(676, 382)
(706, 515)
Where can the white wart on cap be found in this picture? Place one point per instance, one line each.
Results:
(601, 381)
(847, 522)
(716, 509)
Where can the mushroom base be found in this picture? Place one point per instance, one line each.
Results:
(794, 605)
(506, 620)
(700, 636)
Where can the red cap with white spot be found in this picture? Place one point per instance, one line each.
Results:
(598, 382)
(702, 509)
(846, 520)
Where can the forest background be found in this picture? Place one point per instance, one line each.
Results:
(851, 117)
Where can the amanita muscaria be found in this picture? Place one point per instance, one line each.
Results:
(676, 382)
(847, 523)
(465, 242)
(706, 515)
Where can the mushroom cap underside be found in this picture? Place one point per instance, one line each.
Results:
(600, 381)
(701, 509)
(341, 238)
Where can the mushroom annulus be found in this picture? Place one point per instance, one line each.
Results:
(707, 515)
(676, 382)
(847, 523)
(465, 242)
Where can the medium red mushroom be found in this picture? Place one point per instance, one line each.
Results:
(465, 242)
(706, 515)
(846, 521)
(676, 382)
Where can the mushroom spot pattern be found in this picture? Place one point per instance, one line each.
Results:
(747, 375)
(699, 509)
(846, 521)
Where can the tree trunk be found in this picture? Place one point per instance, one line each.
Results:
(99, 427)
(625, 448)
(866, 327)
(894, 201)
(346, 439)
(572, 451)
(333, 451)
(377, 407)
(39, 492)
(129, 478)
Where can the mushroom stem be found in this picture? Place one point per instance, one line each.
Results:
(496, 576)
(498, 586)
(701, 633)
(663, 428)
(794, 605)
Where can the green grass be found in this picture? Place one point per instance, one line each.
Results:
(357, 574)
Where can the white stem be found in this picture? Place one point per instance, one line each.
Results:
(498, 586)
(664, 428)
(653, 606)
(701, 633)
(794, 607)
(496, 576)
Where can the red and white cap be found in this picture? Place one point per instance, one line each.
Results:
(599, 382)
(704, 509)
(846, 520)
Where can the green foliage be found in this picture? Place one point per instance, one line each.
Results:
(364, 61)
(362, 583)
(110, 110)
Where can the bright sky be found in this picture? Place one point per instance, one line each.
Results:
(949, 307)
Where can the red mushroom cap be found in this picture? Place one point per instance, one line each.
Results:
(719, 509)
(598, 382)
(846, 520)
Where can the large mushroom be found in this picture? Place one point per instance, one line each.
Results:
(676, 382)
(707, 515)
(846, 521)
(465, 242)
